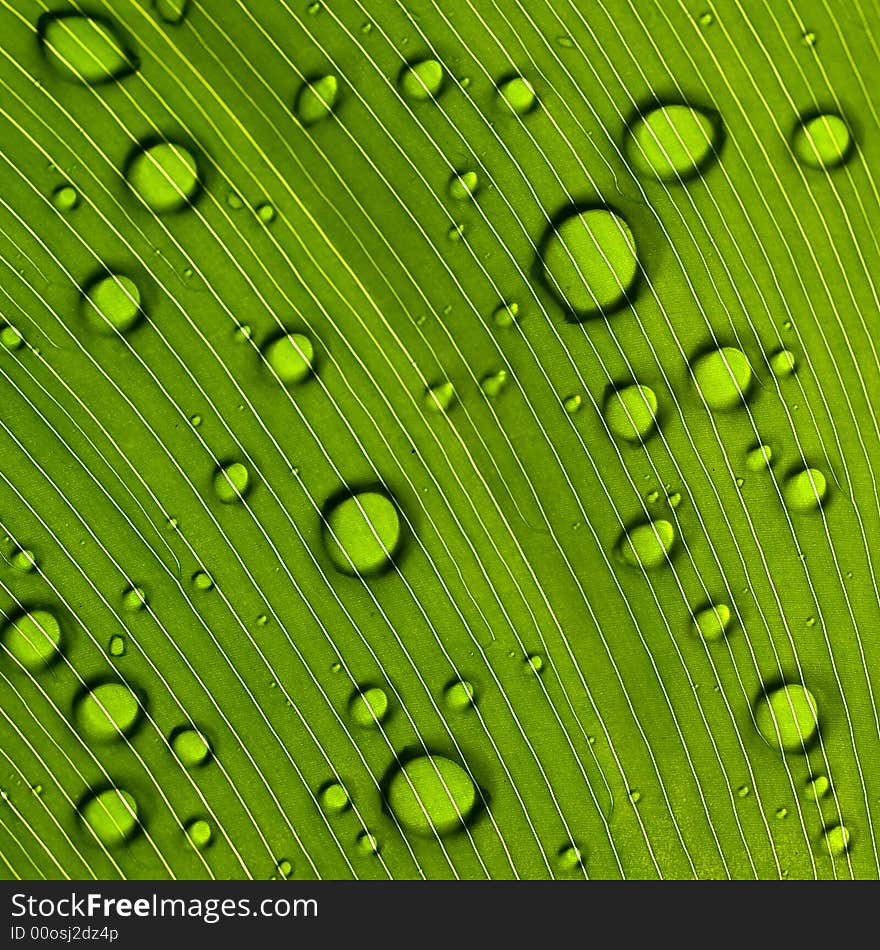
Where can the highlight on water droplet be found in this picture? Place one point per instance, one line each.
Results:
(362, 532)
(787, 717)
(837, 840)
(291, 357)
(171, 11)
(805, 490)
(422, 80)
(191, 746)
(517, 94)
(89, 49)
(107, 712)
(316, 99)
(368, 707)
(164, 175)
(111, 304)
(673, 142)
(431, 795)
(334, 798)
(231, 482)
(439, 397)
(712, 622)
(459, 695)
(65, 198)
(647, 545)
(199, 832)
(111, 815)
(823, 141)
(33, 638)
(589, 262)
(782, 363)
(630, 412)
(723, 377)
(759, 458)
(463, 186)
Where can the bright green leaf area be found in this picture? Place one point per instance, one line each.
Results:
(439, 440)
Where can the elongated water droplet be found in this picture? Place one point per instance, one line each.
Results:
(711, 623)
(787, 717)
(631, 412)
(817, 787)
(368, 707)
(572, 403)
(111, 815)
(673, 142)
(362, 533)
(570, 858)
(432, 795)
(108, 712)
(422, 80)
(165, 176)
(439, 397)
(112, 304)
(494, 383)
(231, 482)
(190, 746)
(647, 545)
(805, 490)
(517, 94)
(723, 377)
(464, 186)
(506, 315)
(89, 49)
(823, 141)
(116, 647)
(291, 357)
(316, 99)
(33, 638)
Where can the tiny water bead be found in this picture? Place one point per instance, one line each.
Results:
(199, 832)
(112, 304)
(116, 647)
(647, 545)
(506, 315)
(782, 812)
(759, 458)
(23, 561)
(673, 142)
(171, 11)
(291, 357)
(463, 187)
(33, 638)
(111, 815)
(713, 622)
(316, 99)
(493, 384)
(334, 799)
(165, 176)
(432, 795)
(805, 490)
(422, 80)
(817, 787)
(808, 38)
(362, 533)
(65, 198)
(133, 599)
(723, 377)
(782, 363)
(570, 858)
(635, 796)
(439, 397)
(590, 262)
(788, 717)
(535, 662)
(459, 695)
(837, 840)
(823, 141)
(108, 712)
(518, 95)
(88, 49)
(191, 747)
(368, 707)
(231, 482)
(631, 412)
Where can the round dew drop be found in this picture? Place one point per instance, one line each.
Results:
(134, 599)
(111, 815)
(199, 832)
(422, 81)
(33, 638)
(723, 377)
(647, 545)
(788, 718)
(108, 712)
(112, 304)
(782, 363)
(316, 100)
(291, 357)
(10, 338)
(673, 142)
(23, 561)
(759, 458)
(367, 843)
(191, 747)
(432, 795)
(334, 799)
(712, 623)
(570, 858)
(65, 198)
(631, 412)
(231, 482)
(518, 95)
(362, 533)
(837, 840)
(368, 707)
(87, 49)
(822, 141)
(459, 695)
(164, 176)
(805, 490)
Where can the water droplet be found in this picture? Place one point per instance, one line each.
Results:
(202, 580)
(439, 397)
(456, 232)
(367, 843)
(314, 8)
(316, 99)
(112, 304)
(817, 787)
(506, 315)
(422, 80)
(566, 42)
(787, 717)
(37, 790)
(116, 647)
(811, 621)
(65, 198)
(518, 94)
(837, 840)
(570, 858)
(266, 212)
(647, 545)
(494, 383)
(243, 333)
(190, 746)
(362, 533)
(23, 561)
(231, 482)
(631, 412)
(464, 186)
(590, 262)
(336, 668)
(808, 38)
(707, 18)
(572, 403)
(635, 796)
(782, 813)
(112, 816)
(199, 832)
(10, 337)
(782, 363)
(134, 598)
(285, 867)
(743, 791)
(334, 799)
(653, 496)
(459, 695)
(673, 142)
(432, 795)
(823, 141)
(368, 707)
(366, 27)
(262, 620)
(805, 490)
(723, 377)
(108, 712)
(196, 420)
(759, 458)
(33, 638)
(233, 201)
(85, 48)
(291, 357)
(535, 662)
(713, 622)
(171, 11)
(165, 176)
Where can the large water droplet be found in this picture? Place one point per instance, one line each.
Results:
(134, 599)
(723, 376)
(823, 141)
(116, 647)
(33, 638)
(368, 707)
(165, 176)
(432, 795)
(112, 815)
(647, 545)
(673, 142)
(112, 304)
(805, 490)
(712, 622)
(291, 357)
(362, 533)
(367, 843)
(10, 337)
(518, 94)
(631, 412)
(590, 262)
(817, 787)
(107, 712)
(316, 99)
(190, 746)
(171, 11)
(85, 48)
(23, 561)
(787, 717)
(334, 798)
(422, 80)
(231, 482)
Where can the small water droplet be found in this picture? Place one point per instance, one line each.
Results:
(165, 176)
(362, 533)
(202, 580)
(759, 458)
(334, 799)
(432, 795)
(88, 49)
(367, 843)
(707, 18)
(740, 482)
(805, 490)
(291, 357)
(635, 796)
(837, 840)
(199, 832)
(33, 638)
(811, 621)
(116, 646)
(463, 187)
(231, 482)
(494, 383)
(37, 790)
(456, 232)
(652, 497)
(190, 746)
(570, 858)
(647, 545)
(422, 80)
(316, 99)
(23, 560)
(10, 338)
(787, 717)
(266, 212)
(439, 397)
(111, 815)
(234, 201)
(723, 377)
(823, 141)
(262, 620)
(817, 787)
(196, 420)
(243, 333)
(366, 27)
(782, 363)
(134, 598)
(65, 198)
(108, 712)
(285, 867)
(743, 791)
(712, 622)
(566, 42)
(781, 812)
(673, 142)
(506, 315)
(112, 304)
(171, 11)
(368, 707)
(572, 403)
(517, 94)
(459, 695)
(336, 668)
(631, 412)
(535, 662)
(808, 38)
